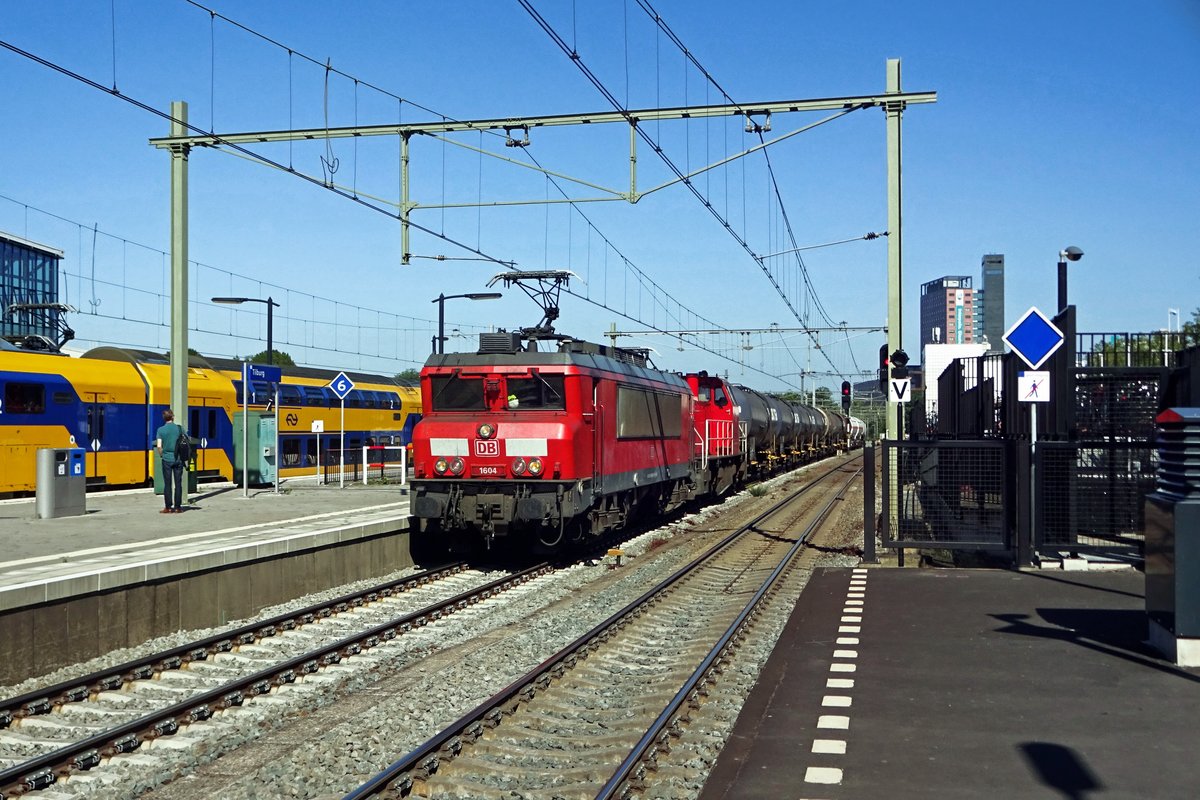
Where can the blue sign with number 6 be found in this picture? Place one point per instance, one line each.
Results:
(341, 385)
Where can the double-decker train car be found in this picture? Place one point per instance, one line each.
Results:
(379, 410)
(110, 401)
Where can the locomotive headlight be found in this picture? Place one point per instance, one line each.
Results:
(535, 467)
(518, 466)
(457, 465)
(440, 466)
(486, 430)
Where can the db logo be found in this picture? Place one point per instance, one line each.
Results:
(487, 447)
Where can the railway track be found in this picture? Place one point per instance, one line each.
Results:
(598, 716)
(70, 728)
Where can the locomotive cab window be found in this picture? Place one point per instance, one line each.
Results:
(537, 392)
(25, 398)
(455, 393)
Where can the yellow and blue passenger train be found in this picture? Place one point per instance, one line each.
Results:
(110, 401)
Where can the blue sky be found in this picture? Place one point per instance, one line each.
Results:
(1065, 123)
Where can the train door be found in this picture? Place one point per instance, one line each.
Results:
(598, 439)
(204, 426)
(100, 436)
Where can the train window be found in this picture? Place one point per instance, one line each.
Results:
(289, 395)
(538, 392)
(455, 393)
(291, 451)
(719, 397)
(261, 393)
(315, 396)
(211, 432)
(237, 391)
(643, 414)
(354, 399)
(24, 398)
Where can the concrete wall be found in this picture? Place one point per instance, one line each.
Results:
(35, 640)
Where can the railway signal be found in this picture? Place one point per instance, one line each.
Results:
(883, 367)
(845, 395)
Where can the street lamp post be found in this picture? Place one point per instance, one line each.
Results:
(439, 344)
(271, 305)
(1069, 254)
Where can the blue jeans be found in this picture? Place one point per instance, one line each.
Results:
(173, 480)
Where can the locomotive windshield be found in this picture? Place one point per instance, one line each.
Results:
(455, 393)
(538, 391)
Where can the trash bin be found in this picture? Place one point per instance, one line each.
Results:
(61, 482)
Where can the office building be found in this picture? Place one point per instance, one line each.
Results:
(948, 311)
(992, 322)
(28, 275)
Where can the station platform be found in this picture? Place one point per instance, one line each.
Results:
(919, 683)
(123, 572)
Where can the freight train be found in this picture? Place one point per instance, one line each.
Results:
(515, 442)
(110, 400)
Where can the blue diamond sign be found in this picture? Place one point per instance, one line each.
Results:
(1034, 338)
(341, 385)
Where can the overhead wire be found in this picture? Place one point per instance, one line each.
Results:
(658, 150)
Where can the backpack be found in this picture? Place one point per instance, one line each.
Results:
(183, 447)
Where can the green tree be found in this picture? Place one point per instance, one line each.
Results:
(409, 375)
(281, 359)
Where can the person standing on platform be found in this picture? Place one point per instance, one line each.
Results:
(166, 440)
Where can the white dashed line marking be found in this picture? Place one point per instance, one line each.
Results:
(833, 722)
(823, 775)
(847, 640)
(835, 747)
(840, 667)
(845, 654)
(850, 629)
(839, 683)
(854, 602)
(836, 701)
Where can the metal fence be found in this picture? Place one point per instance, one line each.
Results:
(948, 494)
(1088, 495)
(373, 463)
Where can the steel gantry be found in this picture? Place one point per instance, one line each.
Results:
(756, 115)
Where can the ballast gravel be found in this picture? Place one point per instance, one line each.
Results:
(321, 737)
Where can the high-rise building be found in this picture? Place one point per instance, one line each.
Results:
(948, 311)
(28, 275)
(993, 302)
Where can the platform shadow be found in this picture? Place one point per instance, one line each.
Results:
(1120, 633)
(1061, 768)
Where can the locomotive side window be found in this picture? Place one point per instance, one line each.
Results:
(452, 393)
(539, 392)
(25, 398)
(643, 414)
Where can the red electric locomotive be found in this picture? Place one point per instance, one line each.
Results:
(557, 444)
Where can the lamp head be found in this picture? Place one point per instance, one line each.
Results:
(1071, 254)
